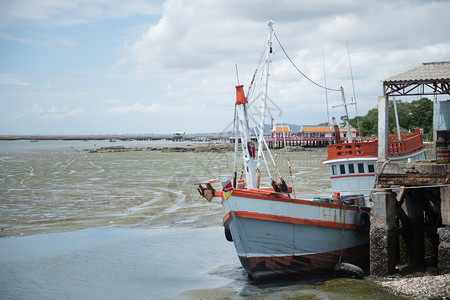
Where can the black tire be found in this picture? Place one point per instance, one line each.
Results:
(362, 222)
(228, 235)
(350, 270)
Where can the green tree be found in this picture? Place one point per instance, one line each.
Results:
(404, 116)
(418, 113)
(368, 124)
(422, 114)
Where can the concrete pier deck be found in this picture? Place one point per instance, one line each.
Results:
(410, 217)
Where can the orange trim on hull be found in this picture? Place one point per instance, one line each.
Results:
(227, 216)
(309, 265)
(284, 219)
(272, 196)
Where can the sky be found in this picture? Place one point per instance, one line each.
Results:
(81, 67)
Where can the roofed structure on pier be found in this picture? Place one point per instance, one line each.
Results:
(429, 79)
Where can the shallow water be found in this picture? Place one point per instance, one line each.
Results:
(173, 263)
(57, 185)
(132, 225)
(113, 263)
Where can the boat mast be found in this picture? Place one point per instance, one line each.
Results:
(346, 118)
(264, 102)
(248, 149)
(349, 132)
(396, 119)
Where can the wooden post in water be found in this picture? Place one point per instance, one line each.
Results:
(444, 232)
(414, 205)
(383, 233)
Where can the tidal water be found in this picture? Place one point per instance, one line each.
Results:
(78, 224)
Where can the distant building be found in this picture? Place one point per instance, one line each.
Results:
(308, 131)
(343, 131)
(280, 132)
(178, 136)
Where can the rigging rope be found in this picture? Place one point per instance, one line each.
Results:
(289, 162)
(251, 88)
(353, 85)
(303, 74)
(325, 81)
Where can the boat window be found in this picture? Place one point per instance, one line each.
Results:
(371, 168)
(342, 167)
(334, 169)
(360, 168)
(351, 168)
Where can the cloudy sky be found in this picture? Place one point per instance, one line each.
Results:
(150, 66)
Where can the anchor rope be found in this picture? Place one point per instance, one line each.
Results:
(303, 74)
(342, 242)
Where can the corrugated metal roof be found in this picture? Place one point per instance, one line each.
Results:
(279, 129)
(315, 129)
(426, 72)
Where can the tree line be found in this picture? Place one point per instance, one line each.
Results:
(415, 114)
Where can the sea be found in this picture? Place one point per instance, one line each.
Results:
(121, 220)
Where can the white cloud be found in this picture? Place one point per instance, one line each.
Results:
(53, 113)
(12, 79)
(62, 13)
(200, 41)
(65, 42)
(183, 66)
(200, 34)
(153, 108)
(136, 107)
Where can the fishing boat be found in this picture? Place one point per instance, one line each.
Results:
(275, 233)
(352, 164)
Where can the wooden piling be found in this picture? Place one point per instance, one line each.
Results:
(383, 233)
(401, 224)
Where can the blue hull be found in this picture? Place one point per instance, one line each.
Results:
(277, 236)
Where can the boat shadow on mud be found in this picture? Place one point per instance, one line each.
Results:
(331, 286)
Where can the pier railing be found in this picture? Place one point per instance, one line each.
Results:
(405, 146)
(313, 139)
(305, 141)
(409, 143)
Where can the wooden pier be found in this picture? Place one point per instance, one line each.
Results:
(306, 142)
(113, 137)
(410, 215)
(299, 141)
(274, 143)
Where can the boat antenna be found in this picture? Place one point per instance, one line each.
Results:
(326, 91)
(345, 117)
(236, 144)
(264, 102)
(353, 86)
(237, 74)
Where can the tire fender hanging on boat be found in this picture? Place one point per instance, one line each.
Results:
(349, 270)
(228, 235)
(362, 221)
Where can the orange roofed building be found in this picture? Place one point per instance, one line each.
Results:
(281, 132)
(315, 132)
